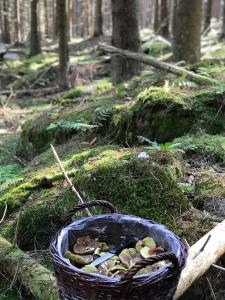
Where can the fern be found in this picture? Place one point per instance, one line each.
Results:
(69, 125)
(143, 140)
(103, 116)
(204, 71)
(184, 83)
(167, 147)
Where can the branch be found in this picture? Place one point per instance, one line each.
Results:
(199, 261)
(148, 60)
(68, 179)
(4, 213)
(36, 279)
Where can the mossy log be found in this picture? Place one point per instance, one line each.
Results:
(146, 59)
(36, 279)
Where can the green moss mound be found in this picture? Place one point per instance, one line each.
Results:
(16, 197)
(157, 113)
(135, 186)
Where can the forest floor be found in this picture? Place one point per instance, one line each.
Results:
(100, 131)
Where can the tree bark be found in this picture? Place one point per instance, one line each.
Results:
(63, 44)
(125, 35)
(187, 32)
(6, 30)
(164, 19)
(70, 19)
(146, 59)
(35, 44)
(174, 12)
(98, 19)
(222, 35)
(208, 14)
(36, 279)
(17, 21)
(156, 17)
(198, 261)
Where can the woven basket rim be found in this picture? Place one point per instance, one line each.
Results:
(163, 272)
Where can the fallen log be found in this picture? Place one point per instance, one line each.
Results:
(28, 92)
(148, 60)
(36, 279)
(202, 256)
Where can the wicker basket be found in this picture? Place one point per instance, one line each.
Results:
(75, 284)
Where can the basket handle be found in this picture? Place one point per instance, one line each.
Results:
(81, 206)
(151, 261)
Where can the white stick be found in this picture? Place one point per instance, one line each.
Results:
(201, 257)
(68, 179)
(4, 213)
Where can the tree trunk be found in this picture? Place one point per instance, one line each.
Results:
(156, 17)
(208, 14)
(98, 20)
(174, 12)
(36, 279)
(63, 44)
(148, 60)
(222, 36)
(6, 30)
(164, 19)
(187, 35)
(17, 21)
(35, 45)
(46, 17)
(70, 19)
(125, 35)
(55, 21)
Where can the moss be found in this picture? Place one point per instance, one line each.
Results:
(211, 145)
(210, 187)
(103, 85)
(158, 94)
(74, 93)
(157, 48)
(16, 197)
(137, 187)
(160, 115)
(39, 222)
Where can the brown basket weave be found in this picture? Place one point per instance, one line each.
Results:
(75, 284)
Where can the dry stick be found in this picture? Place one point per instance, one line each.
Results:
(68, 179)
(41, 76)
(218, 267)
(211, 289)
(4, 213)
(198, 265)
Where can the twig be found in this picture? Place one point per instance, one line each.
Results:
(203, 246)
(211, 289)
(5, 210)
(72, 187)
(14, 156)
(218, 267)
(41, 76)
